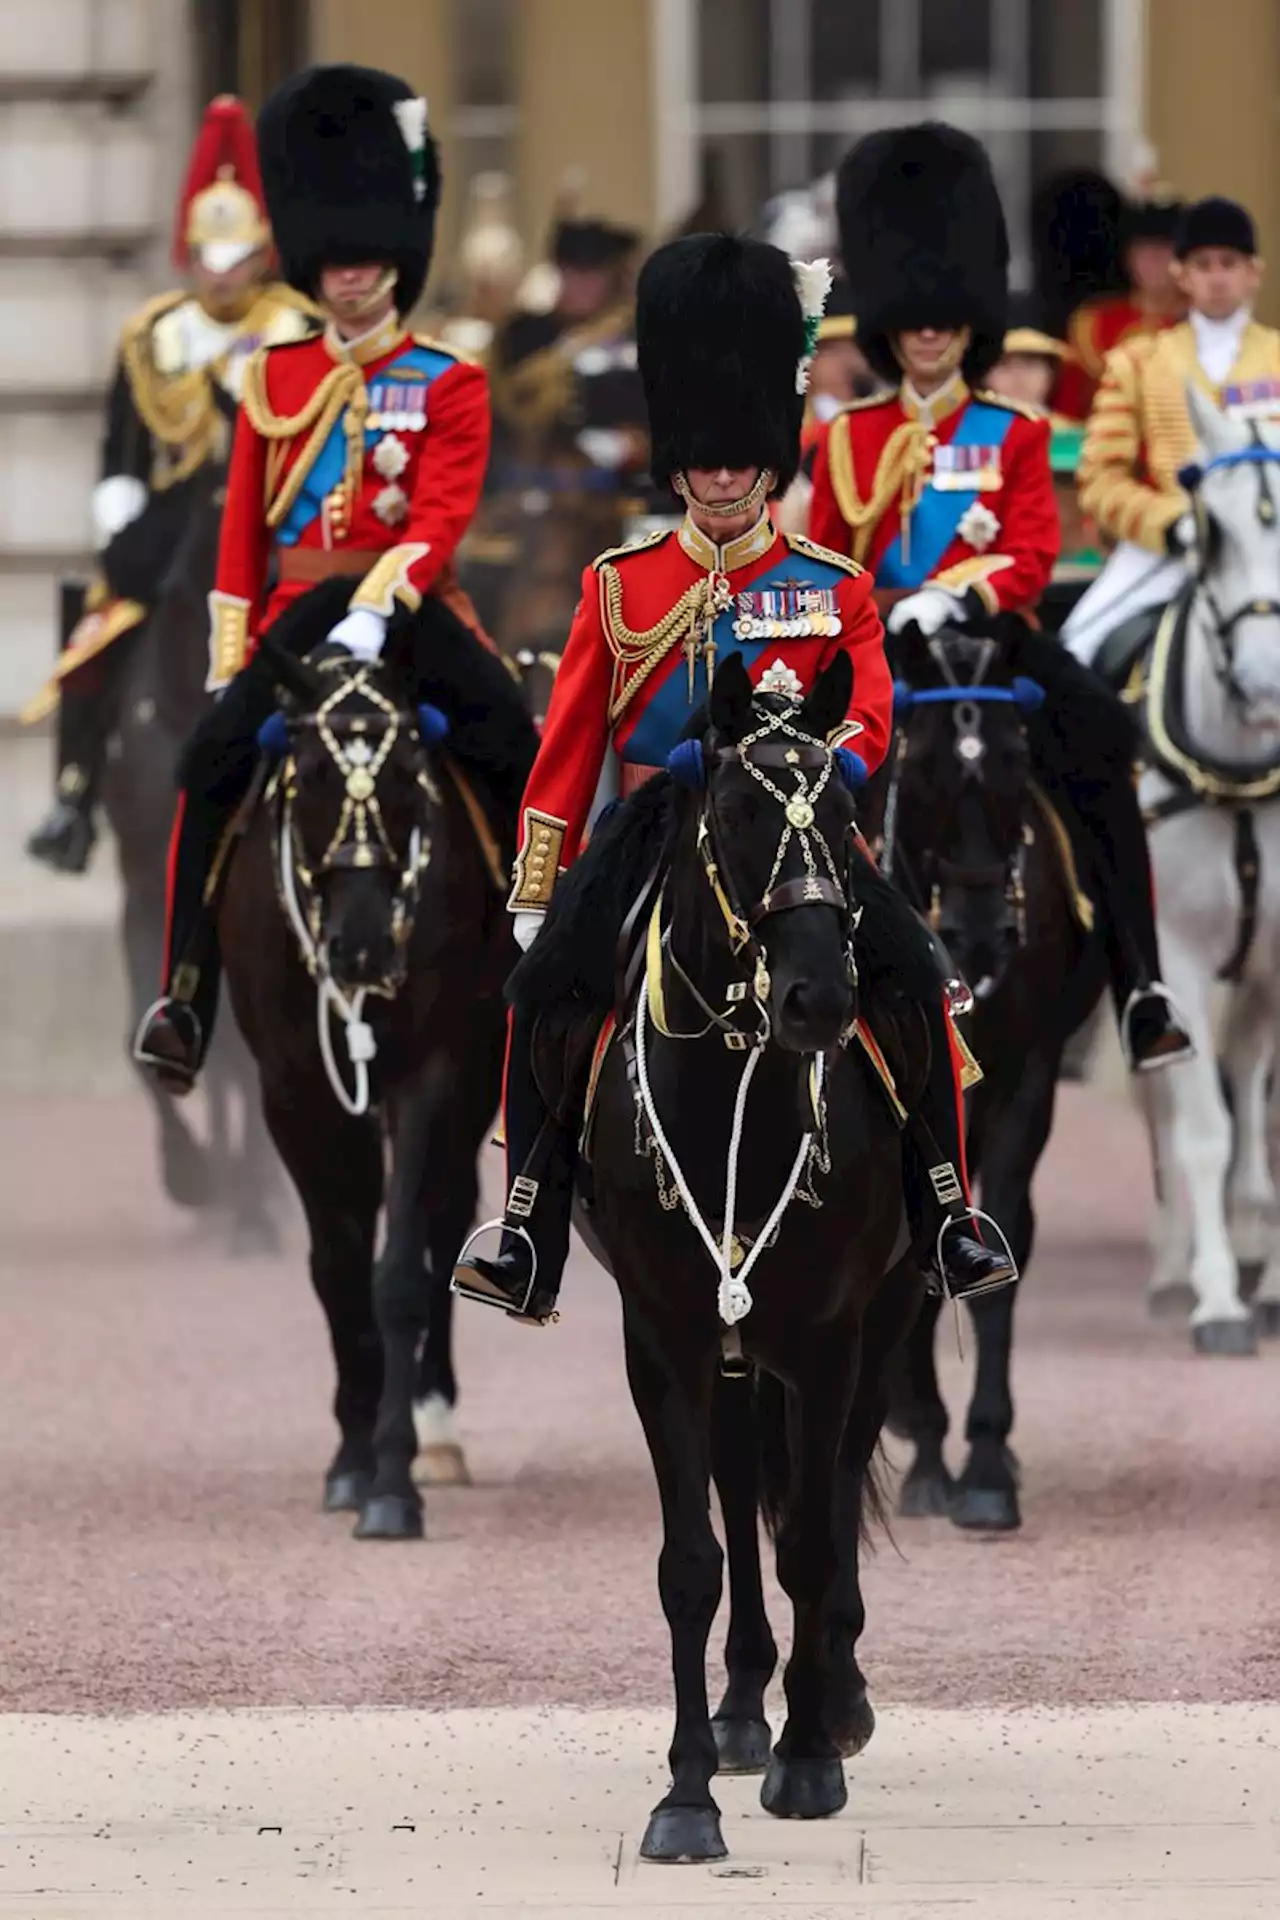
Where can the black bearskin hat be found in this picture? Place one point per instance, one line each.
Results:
(1215, 223)
(720, 333)
(1075, 240)
(924, 243)
(347, 178)
(1152, 216)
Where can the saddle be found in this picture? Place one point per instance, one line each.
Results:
(1126, 647)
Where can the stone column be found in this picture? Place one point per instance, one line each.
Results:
(1213, 109)
(584, 92)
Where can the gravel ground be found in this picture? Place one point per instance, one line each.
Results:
(164, 1427)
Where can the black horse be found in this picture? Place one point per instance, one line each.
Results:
(753, 980)
(969, 836)
(366, 941)
(162, 697)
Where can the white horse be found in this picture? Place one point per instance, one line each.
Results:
(1211, 791)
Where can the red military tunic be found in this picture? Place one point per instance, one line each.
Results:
(634, 667)
(365, 460)
(1092, 331)
(952, 492)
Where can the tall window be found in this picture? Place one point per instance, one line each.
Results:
(779, 88)
(247, 46)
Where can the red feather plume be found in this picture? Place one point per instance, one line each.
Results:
(224, 147)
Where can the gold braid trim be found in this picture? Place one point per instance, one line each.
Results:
(901, 472)
(177, 410)
(645, 650)
(342, 389)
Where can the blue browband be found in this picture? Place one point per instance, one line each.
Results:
(1193, 473)
(687, 767)
(273, 734)
(1024, 694)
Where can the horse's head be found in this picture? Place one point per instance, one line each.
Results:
(955, 808)
(773, 830)
(356, 795)
(1235, 490)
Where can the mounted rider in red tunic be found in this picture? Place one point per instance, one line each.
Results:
(724, 328)
(357, 464)
(944, 490)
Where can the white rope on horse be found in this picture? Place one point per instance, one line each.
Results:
(734, 1299)
(330, 999)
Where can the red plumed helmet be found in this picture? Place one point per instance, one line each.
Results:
(221, 215)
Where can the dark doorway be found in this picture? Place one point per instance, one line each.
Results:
(247, 47)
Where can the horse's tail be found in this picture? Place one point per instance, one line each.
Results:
(775, 1464)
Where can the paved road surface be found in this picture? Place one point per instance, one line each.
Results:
(163, 1428)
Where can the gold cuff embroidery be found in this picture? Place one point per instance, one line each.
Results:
(841, 736)
(388, 580)
(537, 863)
(228, 638)
(975, 572)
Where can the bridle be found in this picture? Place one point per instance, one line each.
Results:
(774, 747)
(1223, 626)
(360, 747)
(967, 701)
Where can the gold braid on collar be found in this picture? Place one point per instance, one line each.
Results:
(341, 391)
(901, 473)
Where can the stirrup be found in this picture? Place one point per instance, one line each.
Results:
(979, 1287)
(158, 1061)
(472, 1288)
(1158, 988)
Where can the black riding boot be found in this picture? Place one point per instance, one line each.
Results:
(174, 1036)
(88, 708)
(965, 1265)
(1151, 1029)
(523, 1277)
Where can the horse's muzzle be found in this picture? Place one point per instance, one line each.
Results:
(810, 1014)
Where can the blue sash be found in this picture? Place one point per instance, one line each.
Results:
(938, 512)
(330, 463)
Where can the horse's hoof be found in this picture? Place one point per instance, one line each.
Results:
(985, 1509)
(803, 1789)
(442, 1466)
(1266, 1317)
(1173, 1302)
(683, 1835)
(926, 1494)
(389, 1516)
(346, 1492)
(1234, 1338)
(855, 1729)
(744, 1746)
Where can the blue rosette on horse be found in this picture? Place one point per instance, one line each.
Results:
(723, 605)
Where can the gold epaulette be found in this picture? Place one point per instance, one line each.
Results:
(632, 546)
(139, 324)
(801, 543)
(1023, 407)
(867, 401)
(436, 345)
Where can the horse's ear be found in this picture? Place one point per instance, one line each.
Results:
(827, 702)
(729, 708)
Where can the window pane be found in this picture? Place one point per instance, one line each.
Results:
(733, 48)
(955, 37)
(845, 48)
(1066, 49)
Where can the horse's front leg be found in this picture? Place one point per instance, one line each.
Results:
(751, 1655)
(670, 1374)
(1247, 1052)
(805, 1780)
(986, 1495)
(1266, 1302)
(1201, 1145)
(918, 1413)
(401, 1305)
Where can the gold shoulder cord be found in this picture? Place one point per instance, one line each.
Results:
(901, 472)
(177, 411)
(645, 649)
(341, 389)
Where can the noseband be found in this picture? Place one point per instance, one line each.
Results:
(970, 750)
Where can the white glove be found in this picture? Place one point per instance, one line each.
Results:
(361, 633)
(115, 502)
(528, 927)
(931, 608)
(1180, 538)
(605, 447)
